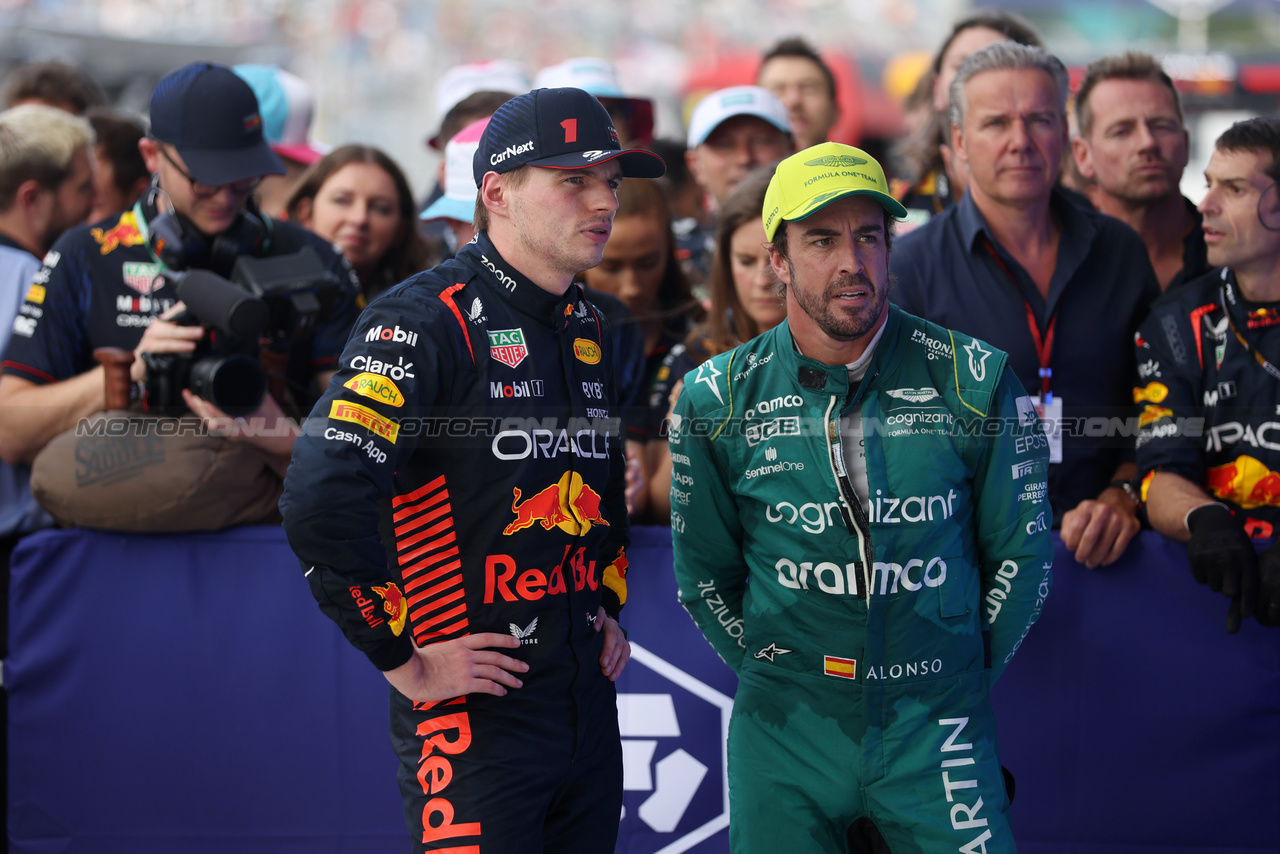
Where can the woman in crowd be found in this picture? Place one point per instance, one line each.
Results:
(934, 182)
(357, 197)
(746, 300)
(640, 269)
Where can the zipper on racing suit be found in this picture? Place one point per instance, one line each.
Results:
(855, 518)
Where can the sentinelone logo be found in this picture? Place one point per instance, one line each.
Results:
(650, 727)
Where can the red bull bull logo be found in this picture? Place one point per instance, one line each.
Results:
(1152, 413)
(1245, 482)
(396, 606)
(569, 504)
(1261, 318)
(124, 233)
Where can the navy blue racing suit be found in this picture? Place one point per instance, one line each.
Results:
(464, 474)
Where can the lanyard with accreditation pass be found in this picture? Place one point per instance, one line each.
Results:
(1229, 295)
(1048, 405)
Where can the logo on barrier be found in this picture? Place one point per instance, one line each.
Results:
(675, 774)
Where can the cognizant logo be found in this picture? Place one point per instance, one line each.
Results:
(813, 518)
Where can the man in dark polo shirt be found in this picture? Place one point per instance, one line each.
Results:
(1133, 148)
(1059, 288)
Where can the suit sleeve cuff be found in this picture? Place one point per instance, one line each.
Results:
(392, 654)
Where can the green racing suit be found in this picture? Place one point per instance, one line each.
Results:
(865, 632)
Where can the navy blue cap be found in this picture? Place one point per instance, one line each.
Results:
(211, 116)
(557, 129)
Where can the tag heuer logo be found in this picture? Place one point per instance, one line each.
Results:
(836, 160)
(143, 277)
(507, 346)
(914, 395)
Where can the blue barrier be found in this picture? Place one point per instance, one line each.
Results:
(183, 694)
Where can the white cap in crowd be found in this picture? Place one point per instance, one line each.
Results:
(497, 75)
(720, 106)
(459, 199)
(597, 77)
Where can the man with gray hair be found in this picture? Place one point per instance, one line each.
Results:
(1061, 289)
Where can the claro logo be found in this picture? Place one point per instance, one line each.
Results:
(832, 578)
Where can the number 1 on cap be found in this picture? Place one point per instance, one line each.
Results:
(570, 130)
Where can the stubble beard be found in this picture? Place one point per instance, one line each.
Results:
(560, 258)
(840, 326)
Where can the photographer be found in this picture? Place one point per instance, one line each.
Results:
(112, 284)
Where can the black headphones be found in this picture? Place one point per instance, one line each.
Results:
(179, 245)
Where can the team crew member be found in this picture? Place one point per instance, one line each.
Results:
(104, 285)
(468, 435)
(867, 601)
(1210, 389)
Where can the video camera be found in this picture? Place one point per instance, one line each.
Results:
(268, 302)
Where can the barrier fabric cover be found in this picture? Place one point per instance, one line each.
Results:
(184, 694)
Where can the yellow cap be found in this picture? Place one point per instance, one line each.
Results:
(811, 179)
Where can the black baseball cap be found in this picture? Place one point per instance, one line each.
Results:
(211, 116)
(557, 129)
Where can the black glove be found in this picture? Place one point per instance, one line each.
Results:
(1267, 610)
(1222, 556)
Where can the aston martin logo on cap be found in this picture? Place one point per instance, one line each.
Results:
(836, 160)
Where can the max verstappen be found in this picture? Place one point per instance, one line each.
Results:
(457, 502)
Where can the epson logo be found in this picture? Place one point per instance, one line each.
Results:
(503, 279)
(393, 334)
(509, 152)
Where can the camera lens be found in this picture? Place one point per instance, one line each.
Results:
(234, 384)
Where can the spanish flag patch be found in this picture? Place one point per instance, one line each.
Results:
(845, 668)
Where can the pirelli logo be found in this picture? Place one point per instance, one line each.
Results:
(365, 417)
(843, 668)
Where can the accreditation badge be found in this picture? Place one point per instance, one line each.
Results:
(1051, 420)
